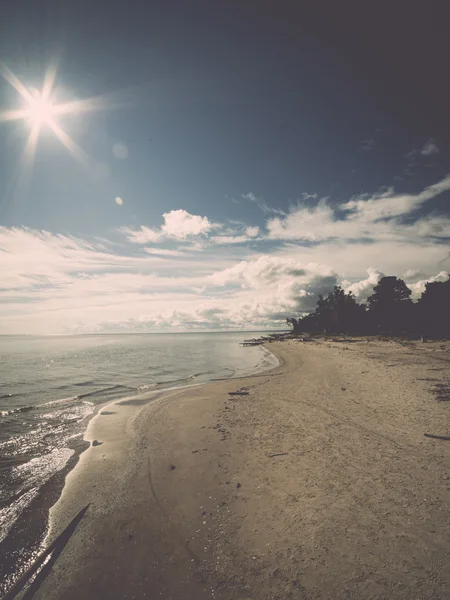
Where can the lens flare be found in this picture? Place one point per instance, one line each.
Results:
(40, 111)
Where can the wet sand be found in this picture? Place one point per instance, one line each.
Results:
(316, 482)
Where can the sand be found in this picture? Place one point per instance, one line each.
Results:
(319, 483)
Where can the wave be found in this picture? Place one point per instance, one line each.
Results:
(28, 408)
(107, 391)
(101, 393)
(146, 386)
(20, 409)
(9, 514)
(58, 402)
(9, 396)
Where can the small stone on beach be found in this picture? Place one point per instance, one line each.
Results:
(172, 467)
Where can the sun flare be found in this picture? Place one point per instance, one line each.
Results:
(40, 110)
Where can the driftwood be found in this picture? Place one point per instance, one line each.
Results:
(437, 437)
(278, 454)
(238, 393)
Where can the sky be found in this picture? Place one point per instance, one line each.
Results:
(217, 165)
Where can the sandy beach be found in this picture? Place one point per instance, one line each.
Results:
(316, 481)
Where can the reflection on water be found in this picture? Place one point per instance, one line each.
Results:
(49, 385)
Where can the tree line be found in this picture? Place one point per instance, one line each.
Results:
(388, 311)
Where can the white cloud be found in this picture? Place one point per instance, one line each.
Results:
(309, 224)
(278, 277)
(164, 252)
(366, 216)
(387, 204)
(411, 275)
(237, 235)
(178, 224)
(418, 288)
(430, 148)
(261, 204)
(52, 283)
(143, 235)
(250, 196)
(271, 287)
(252, 232)
(229, 239)
(364, 288)
(431, 226)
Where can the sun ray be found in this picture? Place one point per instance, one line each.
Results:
(12, 115)
(49, 82)
(27, 159)
(31, 144)
(111, 101)
(21, 180)
(79, 106)
(68, 142)
(15, 82)
(41, 112)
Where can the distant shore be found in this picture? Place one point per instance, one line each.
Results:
(314, 480)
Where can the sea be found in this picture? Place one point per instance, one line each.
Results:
(50, 385)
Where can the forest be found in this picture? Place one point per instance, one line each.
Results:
(388, 311)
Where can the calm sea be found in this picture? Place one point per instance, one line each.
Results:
(49, 385)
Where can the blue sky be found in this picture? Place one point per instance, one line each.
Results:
(238, 163)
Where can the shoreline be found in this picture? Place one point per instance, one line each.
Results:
(310, 482)
(55, 522)
(52, 491)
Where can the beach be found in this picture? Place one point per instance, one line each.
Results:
(314, 481)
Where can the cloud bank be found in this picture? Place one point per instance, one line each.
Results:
(192, 273)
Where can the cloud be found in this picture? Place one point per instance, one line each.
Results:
(209, 275)
(302, 223)
(165, 252)
(430, 148)
(252, 232)
(418, 287)
(363, 289)
(238, 235)
(366, 216)
(178, 225)
(261, 204)
(431, 226)
(411, 275)
(143, 235)
(229, 239)
(278, 281)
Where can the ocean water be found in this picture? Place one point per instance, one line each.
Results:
(50, 385)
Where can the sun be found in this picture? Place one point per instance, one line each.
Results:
(44, 110)
(40, 110)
